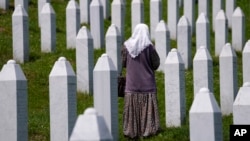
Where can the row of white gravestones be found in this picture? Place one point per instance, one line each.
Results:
(62, 95)
(85, 51)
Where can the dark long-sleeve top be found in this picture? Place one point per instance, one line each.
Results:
(140, 76)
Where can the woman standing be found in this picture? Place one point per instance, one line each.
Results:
(140, 116)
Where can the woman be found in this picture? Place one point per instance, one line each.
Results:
(140, 116)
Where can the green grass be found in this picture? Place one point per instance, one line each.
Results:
(38, 68)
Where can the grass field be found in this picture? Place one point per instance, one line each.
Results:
(38, 68)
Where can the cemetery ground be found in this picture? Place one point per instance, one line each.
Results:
(40, 64)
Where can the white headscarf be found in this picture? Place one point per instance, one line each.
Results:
(139, 40)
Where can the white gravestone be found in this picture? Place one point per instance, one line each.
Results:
(238, 29)
(246, 62)
(20, 35)
(97, 23)
(175, 89)
(72, 23)
(48, 28)
(217, 6)
(202, 32)
(228, 78)
(189, 10)
(173, 17)
(230, 6)
(113, 46)
(106, 8)
(40, 7)
(105, 93)
(184, 40)
(241, 106)
(137, 12)
(205, 119)
(90, 126)
(24, 3)
(13, 103)
(221, 32)
(4, 4)
(155, 16)
(84, 61)
(118, 16)
(84, 11)
(203, 7)
(62, 100)
(202, 70)
(162, 43)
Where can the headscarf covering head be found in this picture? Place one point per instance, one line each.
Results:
(139, 40)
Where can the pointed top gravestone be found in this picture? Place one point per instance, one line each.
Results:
(62, 100)
(20, 34)
(105, 93)
(221, 32)
(202, 70)
(202, 32)
(72, 23)
(97, 23)
(184, 41)
(241, 106)
(205, 118)
(174, 89)
(113, 46)
(90, 126)
(84, 69)
(40, 7)
(238, 29)
(228, 78)
(162, 42)
(13, 103)
(48, 28)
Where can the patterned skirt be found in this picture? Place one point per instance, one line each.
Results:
(140, 115)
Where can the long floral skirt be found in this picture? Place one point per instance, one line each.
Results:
(140, 116)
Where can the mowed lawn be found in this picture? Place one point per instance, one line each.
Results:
(40, 64)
